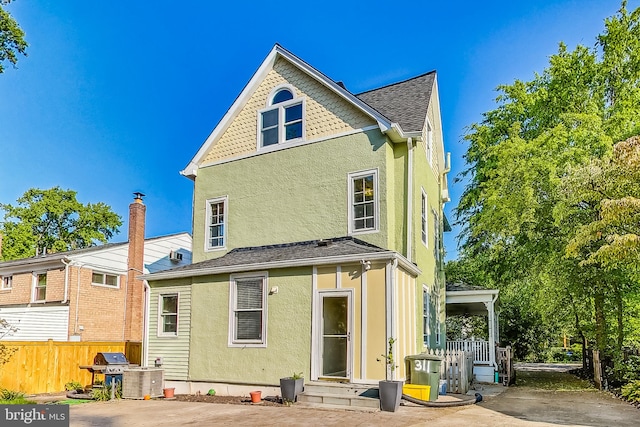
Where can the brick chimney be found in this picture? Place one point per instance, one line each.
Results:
(135, 288)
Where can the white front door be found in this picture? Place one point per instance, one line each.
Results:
(335, 335)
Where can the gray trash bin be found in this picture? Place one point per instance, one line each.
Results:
(424, 369)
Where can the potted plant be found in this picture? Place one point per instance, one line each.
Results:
(291, 386)
(390, 390)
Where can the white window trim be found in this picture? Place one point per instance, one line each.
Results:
(424, 218)
(34, 286)
(2, 279)
(426, 289)
(277, 89)
(104, 285)
(160, 329)
(281, 107)
(207, 238)
(376, 205)
(429, 143)
(232, 298)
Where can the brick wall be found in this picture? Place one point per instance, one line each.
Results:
(21, 291)
(100, 309)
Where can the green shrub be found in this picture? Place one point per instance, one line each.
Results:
(631, 391)
(624, 371)
(6, 394)
(73, 385)
(20, 401)
(104, 393)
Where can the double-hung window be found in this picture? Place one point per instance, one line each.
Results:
(40, 287)
(283, 120)
(104, 279)
(216, 231)
(168, 315)
(423, 218)
(429, 145)
(426, 314)
(247, 323)
(363, 201)
(7, 282)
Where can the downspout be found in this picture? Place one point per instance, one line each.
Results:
(66, 279)
(409, 195)
(145, 331)
(75, 328)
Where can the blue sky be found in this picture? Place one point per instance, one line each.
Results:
(117, 97)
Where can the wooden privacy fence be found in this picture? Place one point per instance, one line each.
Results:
(46, 366)
(456, 369)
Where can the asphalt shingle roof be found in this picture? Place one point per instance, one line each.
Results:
(310, 249)
(405, 102)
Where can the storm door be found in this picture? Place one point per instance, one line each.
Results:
(335, 335)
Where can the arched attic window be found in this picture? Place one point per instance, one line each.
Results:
(283, 120)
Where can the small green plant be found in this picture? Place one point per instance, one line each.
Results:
(104, 393)
(389, 360)
(73, 385)
(297, 376)
(211, 392)
(6, 394)
(631, 391)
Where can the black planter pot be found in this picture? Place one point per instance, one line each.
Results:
(290, 388)
(390, 395)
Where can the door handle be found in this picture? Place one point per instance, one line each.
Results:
(348, 336)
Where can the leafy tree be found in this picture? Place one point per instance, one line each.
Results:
(12, 40)
(517, 224)
(46, 221)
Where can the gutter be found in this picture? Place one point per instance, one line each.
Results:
(237, 268)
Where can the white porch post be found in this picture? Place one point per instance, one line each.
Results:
(492, 340)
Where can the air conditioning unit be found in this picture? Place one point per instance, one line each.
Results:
(175, 256)
(139, 382)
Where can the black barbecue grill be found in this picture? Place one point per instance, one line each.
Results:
(112, 365)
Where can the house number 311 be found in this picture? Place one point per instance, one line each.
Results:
(421, 365)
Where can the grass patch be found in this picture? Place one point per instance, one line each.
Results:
(558, 381)
(72, 401)
(19, 401)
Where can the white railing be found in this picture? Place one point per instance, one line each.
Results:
(480, 350)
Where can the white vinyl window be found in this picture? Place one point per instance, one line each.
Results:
(105, 279)
(426, 315)
(248, 311)
(363, 202)
(216, 231)
(40, 287)
(429, 147)
(7, 282)
(283, 120)
(436, 237)
(423, 218)
(168, 315)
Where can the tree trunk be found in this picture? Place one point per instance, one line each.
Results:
(620, 309)
(600, 320)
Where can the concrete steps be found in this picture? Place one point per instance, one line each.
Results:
(340, 396)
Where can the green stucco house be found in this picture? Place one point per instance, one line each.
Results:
(317, 236)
